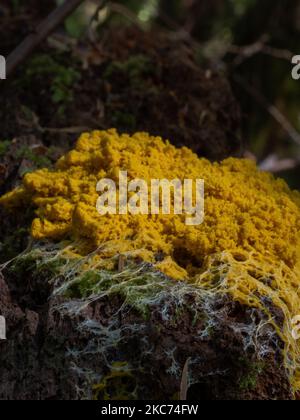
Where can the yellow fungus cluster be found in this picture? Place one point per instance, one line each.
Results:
(260, 282)
(244, 208)
(248, 245)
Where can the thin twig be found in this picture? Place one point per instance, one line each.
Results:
(66, 130)
(244, 53)
(43, 30)
(125, 12)
(258, 47)
(272, 109)
(95, 18)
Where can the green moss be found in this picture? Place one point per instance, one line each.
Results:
(4, 146)
(137, 291)
(62, 78)
(89, 282)
(249, 381)
(39, 161)
(124, 119)
(11, 243)
(138, 287)
(23, 265)
(135, 69)
(35, 263)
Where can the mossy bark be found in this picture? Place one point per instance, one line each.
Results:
(65, 346)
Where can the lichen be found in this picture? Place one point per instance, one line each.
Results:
(247, 247)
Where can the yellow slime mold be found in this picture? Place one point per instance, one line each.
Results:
(248, 245)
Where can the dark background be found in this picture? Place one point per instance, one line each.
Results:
(251, 41)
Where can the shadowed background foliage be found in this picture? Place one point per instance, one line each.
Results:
(251, 41)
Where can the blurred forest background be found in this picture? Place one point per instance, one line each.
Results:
(251, 41)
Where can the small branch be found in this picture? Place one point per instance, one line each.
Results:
(95, 18)
(259, 47)
(45, 28)
(274, 164)
(125, 12)
(272, 110)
